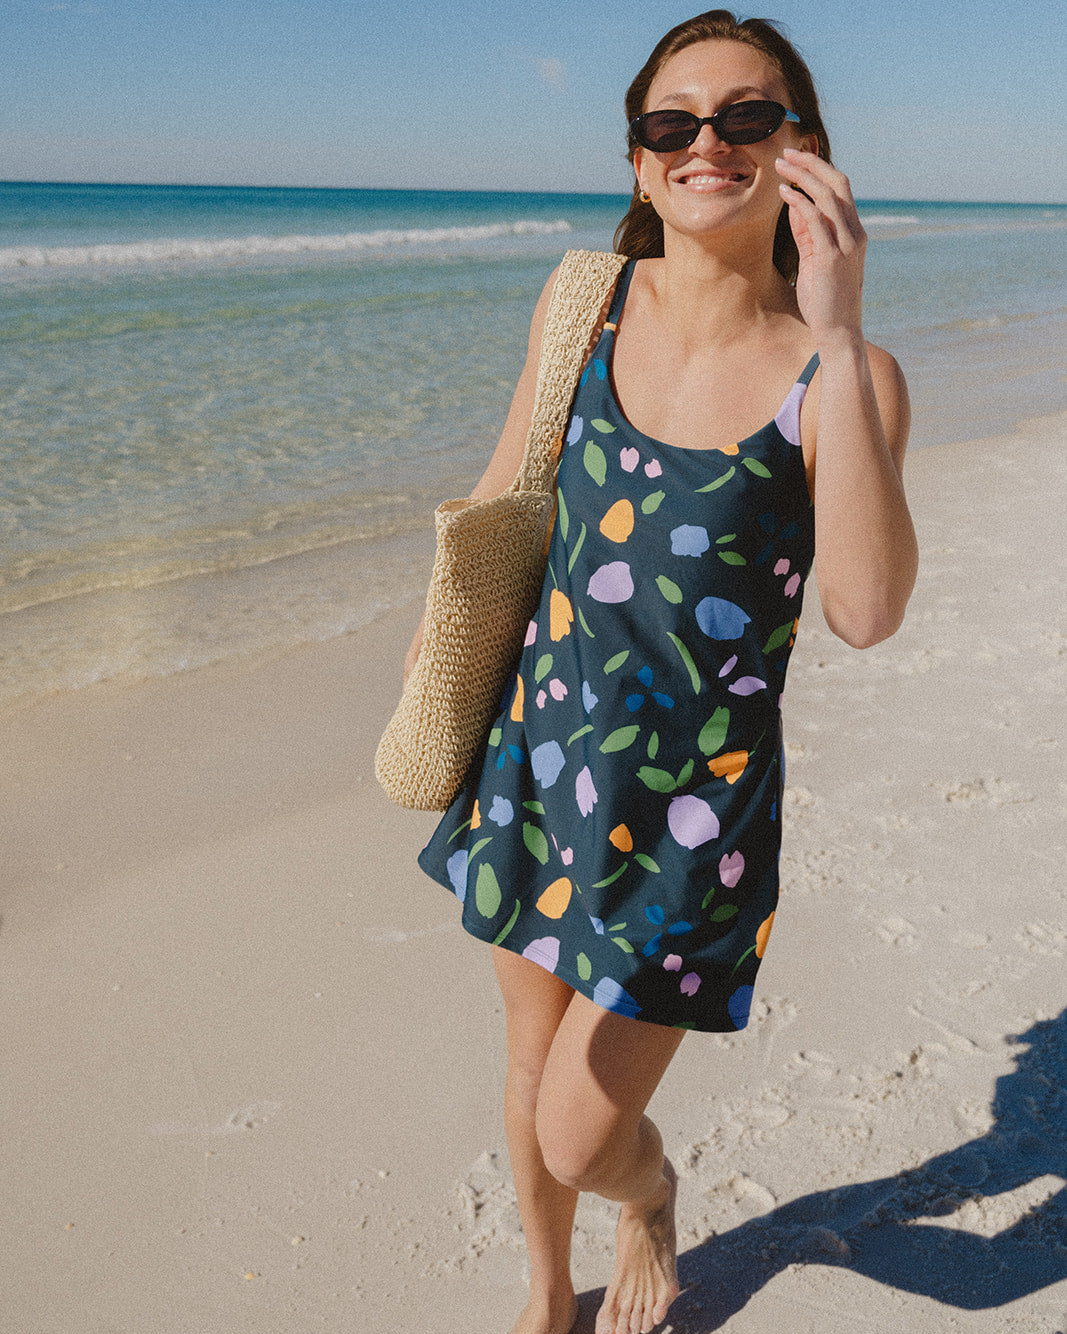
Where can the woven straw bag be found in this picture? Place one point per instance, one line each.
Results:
(489, 568)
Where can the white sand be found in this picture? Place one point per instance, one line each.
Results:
(251, 1070)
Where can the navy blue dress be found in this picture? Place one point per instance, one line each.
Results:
(622, 827)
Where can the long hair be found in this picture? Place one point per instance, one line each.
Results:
(640, 234)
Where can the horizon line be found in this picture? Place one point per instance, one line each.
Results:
(489, 190)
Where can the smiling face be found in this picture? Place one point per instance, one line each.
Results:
(712, 184)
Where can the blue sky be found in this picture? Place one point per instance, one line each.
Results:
(923, 100)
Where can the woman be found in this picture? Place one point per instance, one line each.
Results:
(618, 843)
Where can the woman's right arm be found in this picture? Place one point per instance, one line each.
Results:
(504, 465)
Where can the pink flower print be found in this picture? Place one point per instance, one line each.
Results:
(557, 689)
(781, 566)
(672, 963)
(566, 855)
(584, 791)
(653, 469)
(690, 984)
(731, 868)
(542, 698)
(629, 459)
(531, 634)
(791, 586)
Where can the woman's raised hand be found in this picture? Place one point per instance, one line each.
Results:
(831, 242)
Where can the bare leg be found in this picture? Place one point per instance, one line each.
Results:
(536, 1002)
(601, 1071)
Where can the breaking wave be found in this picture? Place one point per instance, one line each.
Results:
(178, 250)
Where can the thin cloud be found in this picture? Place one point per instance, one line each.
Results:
(553, 71)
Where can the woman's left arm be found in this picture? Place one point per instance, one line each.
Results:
(866, 555)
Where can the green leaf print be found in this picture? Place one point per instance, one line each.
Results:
(653, 745)
(596, 465)
(652, 502)
(737, 965)
(623, 945)
(543, 667)
(669, 589)
(619, 739)
(613, 664)
(478, 847)
(643, 859)
(582, 731)
(610, 880)
(659, 780)
(724, 913)
(618, 926)
(564, 517)
(585, 967)
(721, 541)
(687, 658)
(754, 465)
(577, 547)
(509, 923)
(497, 733)
(709, 896)
(713, 733)
(599, 424)
(487, 894)
(779, 637)
(536, 843)
(537, 807)
(719, 481)
(584, 623)
(685, 773)
(732, 557)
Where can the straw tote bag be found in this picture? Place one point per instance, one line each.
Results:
(490, 564)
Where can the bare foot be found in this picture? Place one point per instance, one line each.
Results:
(548, 1317)
(645, 1281)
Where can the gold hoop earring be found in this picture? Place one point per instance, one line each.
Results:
(645, 198)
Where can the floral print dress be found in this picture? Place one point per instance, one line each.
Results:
(622, 827)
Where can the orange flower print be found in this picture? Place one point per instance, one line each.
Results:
(560, 616)
(763, 935)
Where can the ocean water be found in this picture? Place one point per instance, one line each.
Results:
(228, 413)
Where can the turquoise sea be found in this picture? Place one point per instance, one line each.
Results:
(228, 413)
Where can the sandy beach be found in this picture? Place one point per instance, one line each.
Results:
(252, 1065)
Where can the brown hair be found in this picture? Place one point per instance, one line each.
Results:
(640, 234)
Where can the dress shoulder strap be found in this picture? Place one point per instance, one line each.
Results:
(805, 376)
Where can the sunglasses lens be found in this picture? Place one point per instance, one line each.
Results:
(749, 122)
(666, 131)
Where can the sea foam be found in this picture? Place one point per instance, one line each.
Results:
(178, 250)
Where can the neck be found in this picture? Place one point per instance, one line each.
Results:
(712, 292)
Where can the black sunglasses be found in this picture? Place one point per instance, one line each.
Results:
(739, 123)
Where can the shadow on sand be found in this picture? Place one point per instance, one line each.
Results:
(872, 1228)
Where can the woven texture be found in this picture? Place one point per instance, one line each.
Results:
(488, 570)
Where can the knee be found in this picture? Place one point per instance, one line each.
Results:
(573, 1155)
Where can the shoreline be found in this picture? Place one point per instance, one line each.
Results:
(400, 561)
(253, 1073)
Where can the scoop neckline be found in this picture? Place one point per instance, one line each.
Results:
(611, 328)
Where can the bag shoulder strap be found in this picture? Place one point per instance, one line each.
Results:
(584, 280)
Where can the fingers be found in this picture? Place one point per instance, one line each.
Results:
(829, 194)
